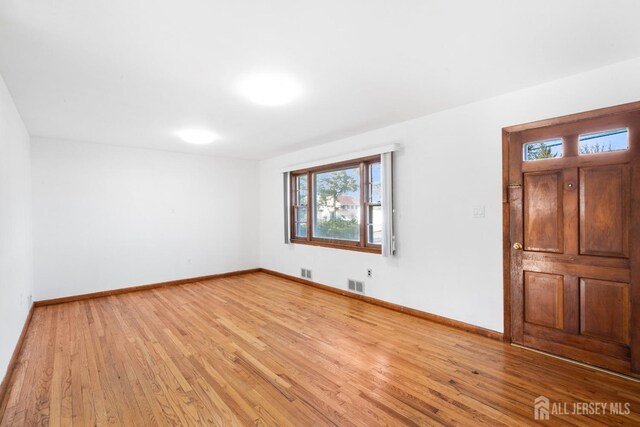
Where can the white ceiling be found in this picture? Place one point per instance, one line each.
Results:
(132, 72)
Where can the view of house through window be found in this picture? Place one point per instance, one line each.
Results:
(337, 207)
(344, 208)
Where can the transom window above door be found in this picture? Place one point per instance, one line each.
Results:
(599, 142)
(540, 150)
(603, 142)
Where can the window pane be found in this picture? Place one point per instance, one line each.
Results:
(601, 142)
(539, 150)
(301, 229)
(301, 214)
(337, 204)
(301, 194)
(375, 184)
(375, 224)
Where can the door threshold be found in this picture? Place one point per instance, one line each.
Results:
(575, 362)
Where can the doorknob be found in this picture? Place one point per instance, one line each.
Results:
(517, 246)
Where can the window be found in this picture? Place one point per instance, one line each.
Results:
(300, 206)
(336, 196)
(602, 142)
(374, 205)
(540, 150)
(589, 143)
(338, 205)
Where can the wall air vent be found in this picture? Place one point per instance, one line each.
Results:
(355, 286)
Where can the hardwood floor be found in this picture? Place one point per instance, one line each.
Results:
(260, 350)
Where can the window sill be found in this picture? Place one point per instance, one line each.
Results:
(368, 249)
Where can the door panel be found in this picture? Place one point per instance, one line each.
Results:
(575, 268)
(574, 243)
(578, 341)
(604, 210)
(543, 224)
(543, 299)
(605, 310)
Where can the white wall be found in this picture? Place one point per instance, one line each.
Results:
(448, 263)
(108, 217)
(16, 281)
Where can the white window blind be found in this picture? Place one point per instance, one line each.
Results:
(388, 235)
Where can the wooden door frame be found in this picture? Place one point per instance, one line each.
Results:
(506, 223)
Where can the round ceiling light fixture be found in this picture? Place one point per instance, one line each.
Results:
(270, 89)
(197, 136)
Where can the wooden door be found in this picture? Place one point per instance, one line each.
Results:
(573, 237)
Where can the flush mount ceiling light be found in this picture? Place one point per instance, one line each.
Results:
(197, 136)
(269, 89)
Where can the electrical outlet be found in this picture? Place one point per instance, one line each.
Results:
(369, 273)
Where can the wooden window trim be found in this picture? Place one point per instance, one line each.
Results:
(363, 244)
